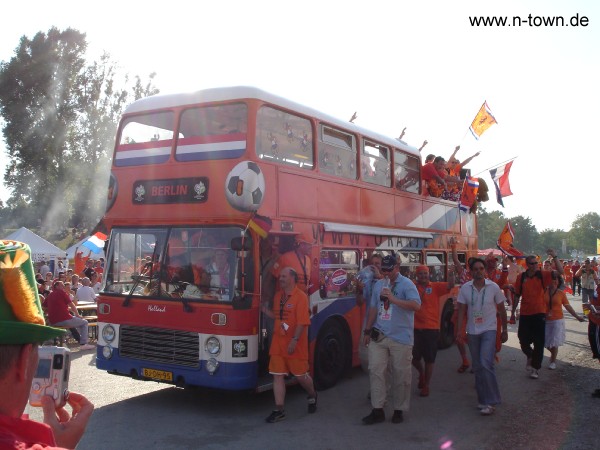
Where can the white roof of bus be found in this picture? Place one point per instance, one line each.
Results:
(240, 92)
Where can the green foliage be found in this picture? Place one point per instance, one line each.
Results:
(60, 116)
(582, 236)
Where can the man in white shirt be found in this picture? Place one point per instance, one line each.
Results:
(85, 293)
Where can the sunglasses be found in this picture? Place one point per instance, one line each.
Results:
(387, 270)
(532, 263)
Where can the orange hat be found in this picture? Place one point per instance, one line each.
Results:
(422, 268)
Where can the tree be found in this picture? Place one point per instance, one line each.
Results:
(60, 117)
(526, 235)
(490, 225)
(585, 229)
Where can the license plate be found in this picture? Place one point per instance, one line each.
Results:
(157, 374)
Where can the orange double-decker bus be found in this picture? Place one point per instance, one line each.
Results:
(183, 282)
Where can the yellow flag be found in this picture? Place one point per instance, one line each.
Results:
(597, 246)
(482, 121)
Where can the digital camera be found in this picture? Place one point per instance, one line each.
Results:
(52, 376)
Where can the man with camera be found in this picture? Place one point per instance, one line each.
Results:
(389, 337)
(22, 329)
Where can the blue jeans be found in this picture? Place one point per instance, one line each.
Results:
(587, 295)
(483, 351)
(80, 324)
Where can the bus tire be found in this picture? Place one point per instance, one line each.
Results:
(331, 354)
(446, 326)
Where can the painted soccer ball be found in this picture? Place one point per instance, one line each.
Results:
(245, 186)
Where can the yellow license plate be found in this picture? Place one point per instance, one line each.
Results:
(157, 374)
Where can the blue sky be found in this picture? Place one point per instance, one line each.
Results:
(419, 65)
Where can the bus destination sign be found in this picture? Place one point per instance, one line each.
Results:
(178, 190)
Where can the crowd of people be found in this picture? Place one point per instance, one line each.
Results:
(443, 178)
(60, 292)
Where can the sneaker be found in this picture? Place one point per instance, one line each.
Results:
(487, 410)
(276, 416)
(480, 406)
(534, 374)
(312, 404)
(397, 417)
(376, 416)
(552, 366)
(87, 347)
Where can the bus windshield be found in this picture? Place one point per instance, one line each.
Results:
(195, 263)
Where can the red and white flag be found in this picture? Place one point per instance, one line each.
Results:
(500, 178)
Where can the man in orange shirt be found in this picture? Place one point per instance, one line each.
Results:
(289, 348)
(530, 287)
(427, 326)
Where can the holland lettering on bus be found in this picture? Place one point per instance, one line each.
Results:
(185, 277)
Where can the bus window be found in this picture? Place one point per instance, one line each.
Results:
(145, 139)
(212, 132)
(337, 273)
(375, 164)
(337, 153)
(436, 262)
(406, 172)
(408, 263)
(189, 263)
(284, 138)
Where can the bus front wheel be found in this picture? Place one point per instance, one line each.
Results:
(331, 354)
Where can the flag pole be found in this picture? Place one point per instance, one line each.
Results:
(497, 165)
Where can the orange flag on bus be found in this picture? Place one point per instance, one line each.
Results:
(482, 121)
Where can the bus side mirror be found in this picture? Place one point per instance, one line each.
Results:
(242, 302)
(241, 245)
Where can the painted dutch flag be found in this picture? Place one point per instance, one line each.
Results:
(201, 148)
(139, 154)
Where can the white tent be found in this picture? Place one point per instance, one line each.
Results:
(41, 249)
(79, 247)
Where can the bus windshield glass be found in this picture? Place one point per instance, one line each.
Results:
(195, 263)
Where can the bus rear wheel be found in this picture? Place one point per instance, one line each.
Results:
(331, 354)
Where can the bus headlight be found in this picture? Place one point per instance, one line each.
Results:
(107, 352)
(212, 365)
(108, 333)
(213, 346)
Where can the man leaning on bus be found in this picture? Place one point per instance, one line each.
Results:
(389, 337)
(289, 347)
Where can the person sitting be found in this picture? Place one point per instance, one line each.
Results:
(22, 330)
(85, 293)
(59, 305)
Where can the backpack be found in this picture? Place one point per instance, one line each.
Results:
(538, 274)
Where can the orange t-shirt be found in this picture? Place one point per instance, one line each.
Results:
(428, 316)
(532, 296)
(555, 305)
(500, 277)
(292, 311)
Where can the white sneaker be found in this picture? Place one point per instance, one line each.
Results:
(534, 374)
(487, 410)
(87, 347)
(552, 366)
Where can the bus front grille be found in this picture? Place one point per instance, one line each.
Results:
(176, 347)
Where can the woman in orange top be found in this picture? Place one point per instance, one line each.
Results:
(555, 322)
